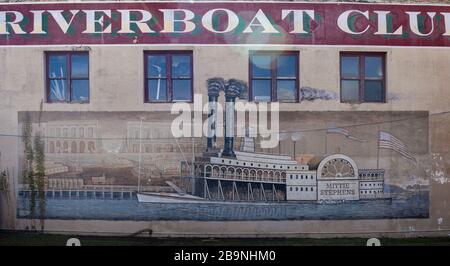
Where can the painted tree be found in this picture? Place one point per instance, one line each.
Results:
(40, 175)
(33, 171)
(28, 164)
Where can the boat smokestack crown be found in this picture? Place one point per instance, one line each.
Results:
(215, 85)
(233, 89)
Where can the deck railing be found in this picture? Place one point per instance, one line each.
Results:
(242, 174)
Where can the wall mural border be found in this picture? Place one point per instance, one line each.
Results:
(326, 168)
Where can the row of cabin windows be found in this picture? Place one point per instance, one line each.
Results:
(273, 76)
(311, 189)
(370, 184)
(58, 132)
(259, 165)
(369, 175)
(369, 192)
(301, 176)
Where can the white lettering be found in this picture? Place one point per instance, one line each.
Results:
(141, 24)
(298, 19)
(169, 20)
(263, 22)
(414, 23)
(232, 18)
(343, 21)
(382, 24)
(18, 17)
(91, 21)
(37, 22)
(61, 21)
(447, 23)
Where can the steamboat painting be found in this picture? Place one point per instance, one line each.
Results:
(136, 166)
(326, 166)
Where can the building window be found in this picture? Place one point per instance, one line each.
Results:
(67, 77)
(273, 76)
(363, 77)
(168, 76)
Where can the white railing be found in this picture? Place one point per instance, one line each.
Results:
(243, 176)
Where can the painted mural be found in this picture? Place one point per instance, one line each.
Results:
(128, 166)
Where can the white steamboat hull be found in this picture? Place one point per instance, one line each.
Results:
(168, 198)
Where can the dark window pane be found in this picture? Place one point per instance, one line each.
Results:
(373, 67)
(157, 90)
(57, 66)
(261, 65)
(59, 90)
(80, 66)
(80, 90)
(286, 66)
(350, 90)
(286, 91)
(181, 90)
(181, 66)
(261, 90)
(350, 66)
(373, 91)
(156, 66)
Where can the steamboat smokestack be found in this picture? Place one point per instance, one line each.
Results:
(233, 90)
(215, 85)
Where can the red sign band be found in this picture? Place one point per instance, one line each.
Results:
(224, 23)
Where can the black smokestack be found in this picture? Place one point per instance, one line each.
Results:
(233, 89)
(215, 85)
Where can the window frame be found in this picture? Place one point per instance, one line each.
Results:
(362, 75)
(273, 75)
(68, 55)
(169, 79)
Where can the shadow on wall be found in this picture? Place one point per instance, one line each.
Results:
(312, 94)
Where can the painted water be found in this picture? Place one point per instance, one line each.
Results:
(66, 207)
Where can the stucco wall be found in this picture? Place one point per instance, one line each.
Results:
(117, 76)
(417, 80)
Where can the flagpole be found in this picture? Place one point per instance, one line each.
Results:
(378, 149)
(294, 150)
(326, 142)
(279, 147)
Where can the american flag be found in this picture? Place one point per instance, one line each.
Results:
(388, 141)
(345, 132)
